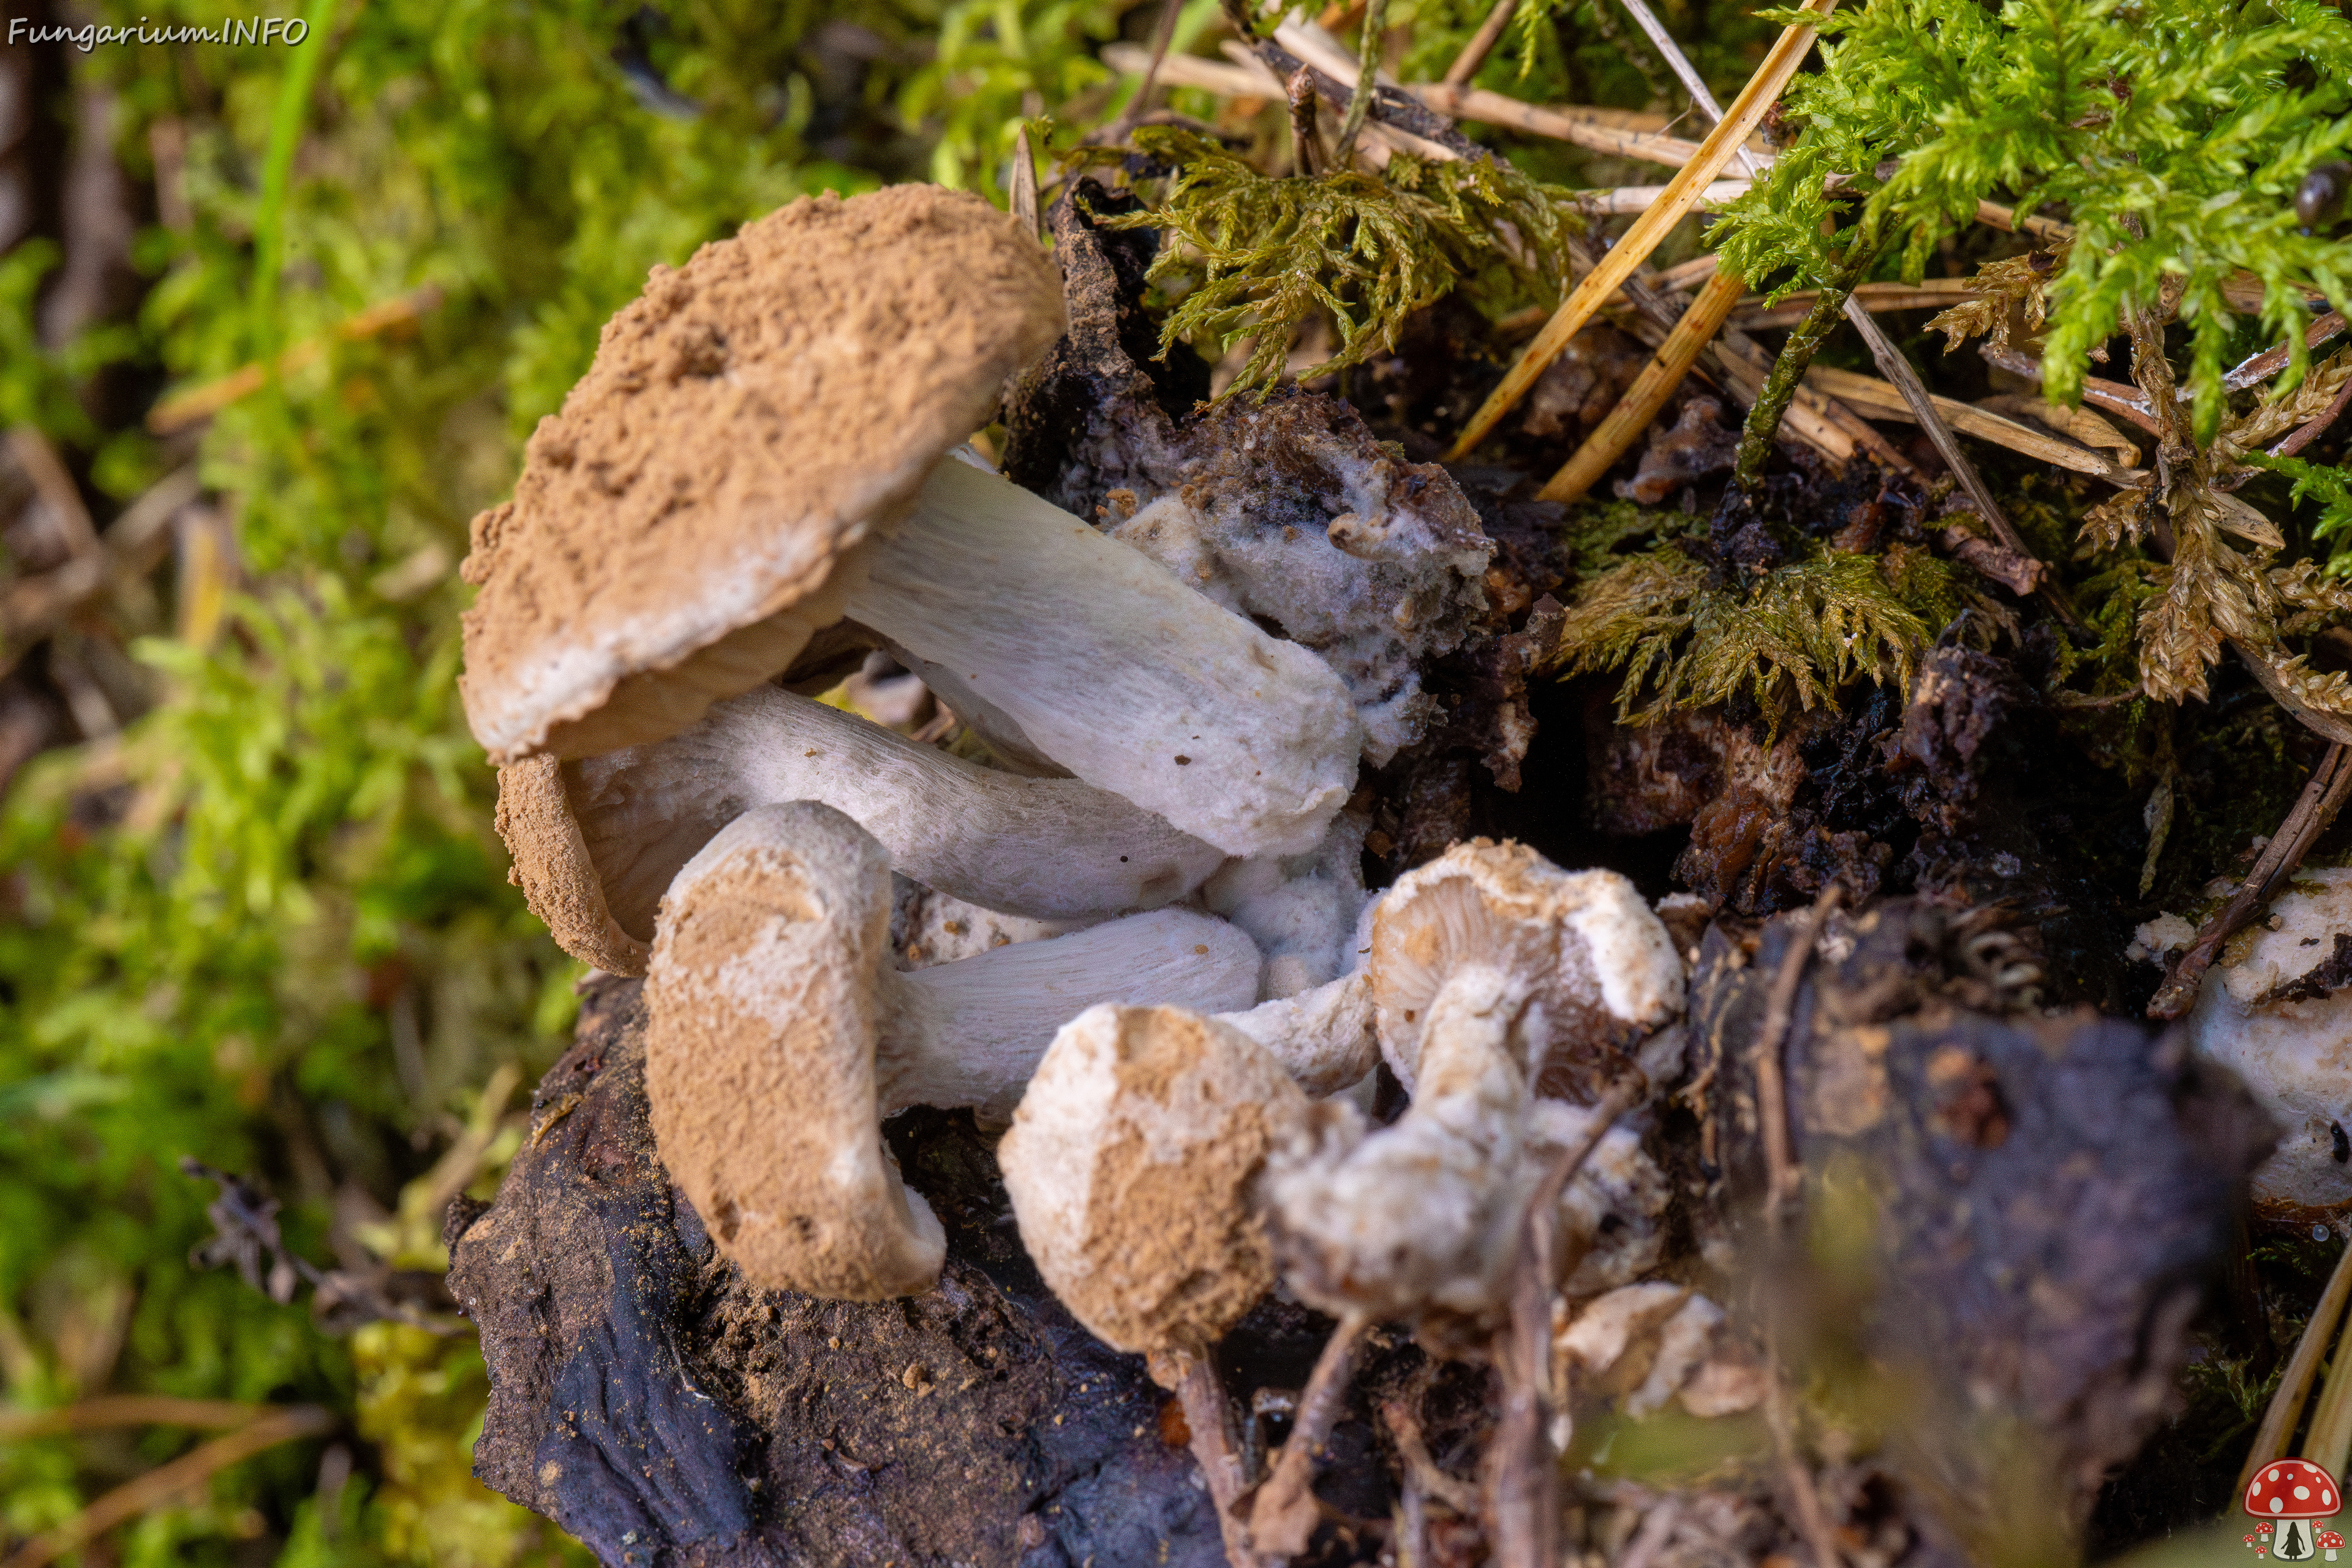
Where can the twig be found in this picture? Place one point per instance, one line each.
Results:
(1284, 1512)
(1491, 108)
(1885, 401)
(133, 547)
(1526, 1510)
(1641, 401)
(2285, 1408)
(1932, 294)
(1898, 370)
(1455, 1494)
(1673, 203)
(2313, 811)
(1482, 43)
(1805, 1500)
(2275, 359)
(1772, 1039)
(1208, 1417)
(1162, 36)
(1684, 72)
(1368, 50)
(126, 1410)
(1623, 201)
(2292, 444)
(162, 1484)
(56, 487)
(1657, 1528)
(199, 404)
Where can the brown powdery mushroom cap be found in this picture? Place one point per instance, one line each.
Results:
(679, 528)
(1132, 1162)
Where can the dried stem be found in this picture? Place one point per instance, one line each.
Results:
(1684, 72)
(1368, 71)
(1771, 1040)
(1421, 1470)
(2294, 443)
(1789, 369)
(1641, 401)
(2329, 784)
(127, 1410)
(2285, 1408)
(165, 1483)
(1208, 1416)
(1284, 1513)
(199, 404)
(2275, 359)
(1673, 203)
(1526, 1508)
(1805, 1501)
(1162, 36)
(1482, 43)
(1024, 185)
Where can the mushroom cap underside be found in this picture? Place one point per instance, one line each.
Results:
(749, 420)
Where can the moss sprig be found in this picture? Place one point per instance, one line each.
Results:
(1258, 256)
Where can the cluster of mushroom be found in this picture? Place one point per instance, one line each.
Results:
(756, 483)
(1164, 1166)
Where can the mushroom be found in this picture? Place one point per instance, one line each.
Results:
(1132, 1162)
(1598, 968)
(2290, 1493)
(779, 1037)
(1490, 968)
(596, 842)
(756, 453)
(2331, 1543)
(2276, 1010)
(1302, 910)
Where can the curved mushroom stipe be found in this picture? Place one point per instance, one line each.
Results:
(1046, 849)
(1322, 1039)
(761, 1034)
(1600, 967)
(552, 865)
(1113, 667)
(1420, 1213)
(779, 1036)
(1132, 1163)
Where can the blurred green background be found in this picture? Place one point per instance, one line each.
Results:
(277, 320)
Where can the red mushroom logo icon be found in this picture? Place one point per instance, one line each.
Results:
(2291, 1494)
(2331, 1543)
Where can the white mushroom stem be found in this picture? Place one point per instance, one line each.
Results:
(1418, 1213)
(971, 1032)
(1323, 1038)
(1046, 849)
(1112, 667)
(779, 1037)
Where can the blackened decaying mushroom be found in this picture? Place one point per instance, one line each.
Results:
(780, 1036)
(596, 842)
(757, 452)
(1285, 510)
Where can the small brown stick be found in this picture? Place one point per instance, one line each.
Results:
(1490, 108)
(2285, 1408)
(199, 404)
(1422, 1469)
(1527, 1482)
(165, 1483)
(2294, 443)
(2112, 395)
(1162, 36)
(127, 1410)
(2330, 783)
(1641, 401)
(1368, 71)
(2275, 359)
(1805, 1500)
(1284, 1512)
(1772, 1039)
(1208, 1419)
(56, 487)
(1883, 401)
(1482, 44)
(1300, 90)
(1671, 205)
(1899, 370)
(1933, 294)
